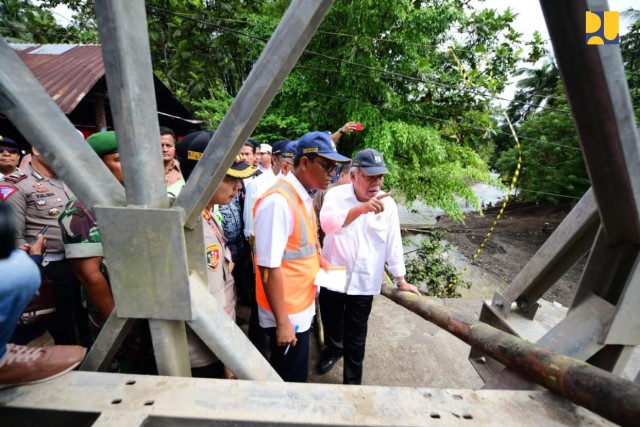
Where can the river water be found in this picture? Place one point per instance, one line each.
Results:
(421, 214)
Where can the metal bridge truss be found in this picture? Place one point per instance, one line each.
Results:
(158, 248)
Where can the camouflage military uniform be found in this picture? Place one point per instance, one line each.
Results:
(81, 237)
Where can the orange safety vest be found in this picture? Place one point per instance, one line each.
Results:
(300, 261)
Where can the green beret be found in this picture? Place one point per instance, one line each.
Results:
(103, 142)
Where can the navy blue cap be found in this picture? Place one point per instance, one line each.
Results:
(319, 143)
(278, 147)
(370, 161)
(289, 151)
(7, 141)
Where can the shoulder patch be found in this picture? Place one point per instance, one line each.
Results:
(213, 257)
(6, 191)
(15, 177)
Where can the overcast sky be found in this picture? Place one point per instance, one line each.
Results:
(530, 16)
(529, 19)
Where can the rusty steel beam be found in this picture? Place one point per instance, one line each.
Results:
(610, 396)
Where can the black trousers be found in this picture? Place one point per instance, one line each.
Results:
(293, 366)
(345, 318)
(70, 324)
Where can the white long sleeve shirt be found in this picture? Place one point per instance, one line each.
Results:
(365, 245)
(254, 189)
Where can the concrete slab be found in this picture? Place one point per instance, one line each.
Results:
(405, 350)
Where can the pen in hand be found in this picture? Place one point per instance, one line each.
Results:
(286, 350)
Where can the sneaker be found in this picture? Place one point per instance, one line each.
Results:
(29, 365)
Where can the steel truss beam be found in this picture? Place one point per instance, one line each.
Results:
(602, 325)
(612, 397)
(83, 398)
(610, 144)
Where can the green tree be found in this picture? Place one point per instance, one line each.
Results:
(395, 65)
(551, 157)
(630, 47)
(538, 88)
(387, 64)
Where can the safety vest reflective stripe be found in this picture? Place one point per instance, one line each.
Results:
(300, 262)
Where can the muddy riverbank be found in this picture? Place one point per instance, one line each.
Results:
(520, 232)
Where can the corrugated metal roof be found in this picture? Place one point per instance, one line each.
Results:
(67, 72)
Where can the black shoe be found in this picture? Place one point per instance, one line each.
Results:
(327, 362)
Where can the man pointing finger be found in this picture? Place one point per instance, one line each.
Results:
(363, 234)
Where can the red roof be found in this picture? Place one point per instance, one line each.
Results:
(67, 72)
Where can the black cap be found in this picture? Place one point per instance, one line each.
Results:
(190, 150)
(370, 161)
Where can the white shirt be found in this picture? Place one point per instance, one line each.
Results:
(254, 189)
(365, 245)
(273, 224)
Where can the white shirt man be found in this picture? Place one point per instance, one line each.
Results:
(287, 254)
(256, 187)
(363, 234)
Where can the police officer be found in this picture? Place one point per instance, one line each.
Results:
(38, 196)
(9, 156)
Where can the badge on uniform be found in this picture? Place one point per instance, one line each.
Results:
(213, 257)
(40, 188)
(6, 191)
(54, 212)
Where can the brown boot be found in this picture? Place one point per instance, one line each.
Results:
(28, 365)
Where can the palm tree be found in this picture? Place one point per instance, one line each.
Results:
(537, 89)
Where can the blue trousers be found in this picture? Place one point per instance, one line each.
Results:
(19, 281)
(293, 366)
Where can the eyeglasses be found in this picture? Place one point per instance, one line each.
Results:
(328, 168)
(10, 150)
(373, 178)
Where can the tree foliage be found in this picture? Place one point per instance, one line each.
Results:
(22, 21)
(395, 65)
(429, 269)
(630, 47)
(552, 162)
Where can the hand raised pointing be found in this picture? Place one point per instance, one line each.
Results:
(375, 204)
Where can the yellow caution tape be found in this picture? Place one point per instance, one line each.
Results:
(511, 186)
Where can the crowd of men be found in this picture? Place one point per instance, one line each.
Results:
(281, 214)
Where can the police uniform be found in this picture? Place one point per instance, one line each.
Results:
(37, 202)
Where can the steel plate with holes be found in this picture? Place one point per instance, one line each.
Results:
(115, 399)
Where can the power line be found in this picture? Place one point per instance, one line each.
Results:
(438, 119)
(351, 99)
(332, 58)
(548, 194)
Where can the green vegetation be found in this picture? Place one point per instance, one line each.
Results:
(386, 63)
(390, 64)
(429, 269)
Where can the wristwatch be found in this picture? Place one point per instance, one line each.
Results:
(399, 282)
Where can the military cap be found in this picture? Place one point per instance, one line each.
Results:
(103, 142)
